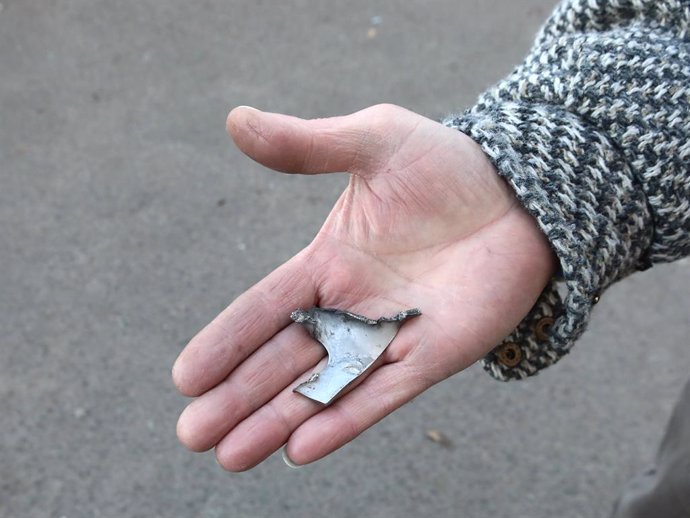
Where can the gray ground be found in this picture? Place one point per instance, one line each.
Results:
(128, 221)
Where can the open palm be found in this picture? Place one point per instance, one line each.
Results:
(424, 222)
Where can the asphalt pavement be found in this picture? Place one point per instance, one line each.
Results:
(128, 220)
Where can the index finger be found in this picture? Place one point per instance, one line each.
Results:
(246, 324)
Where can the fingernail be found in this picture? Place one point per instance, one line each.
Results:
(248, 107)
(287, 460)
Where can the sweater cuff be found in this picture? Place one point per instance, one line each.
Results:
(581, 190)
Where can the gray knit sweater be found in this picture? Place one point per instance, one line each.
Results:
(592, 131)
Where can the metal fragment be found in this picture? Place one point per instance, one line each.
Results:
(353, 343)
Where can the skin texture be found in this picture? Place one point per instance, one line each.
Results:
(424, 222)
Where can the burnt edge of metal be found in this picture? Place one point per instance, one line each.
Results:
(353, 343)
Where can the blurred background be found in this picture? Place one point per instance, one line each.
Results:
(128, 221)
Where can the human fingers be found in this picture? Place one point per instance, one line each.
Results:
(356, 142)
(268, 428)
(285, 357)
(385, 390)
(252, 319)
(282, 418)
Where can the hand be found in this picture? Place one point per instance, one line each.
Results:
(425, 222)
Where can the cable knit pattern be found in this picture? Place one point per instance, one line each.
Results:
(593, 133)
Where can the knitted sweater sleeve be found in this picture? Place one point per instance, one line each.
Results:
(592, 131)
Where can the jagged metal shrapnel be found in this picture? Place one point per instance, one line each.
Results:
(353, 343)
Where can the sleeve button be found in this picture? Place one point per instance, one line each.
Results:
(509, 354)
(542, 328)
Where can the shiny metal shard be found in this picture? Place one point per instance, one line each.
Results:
(353, 343)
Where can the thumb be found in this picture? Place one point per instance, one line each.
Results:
(356, 143)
